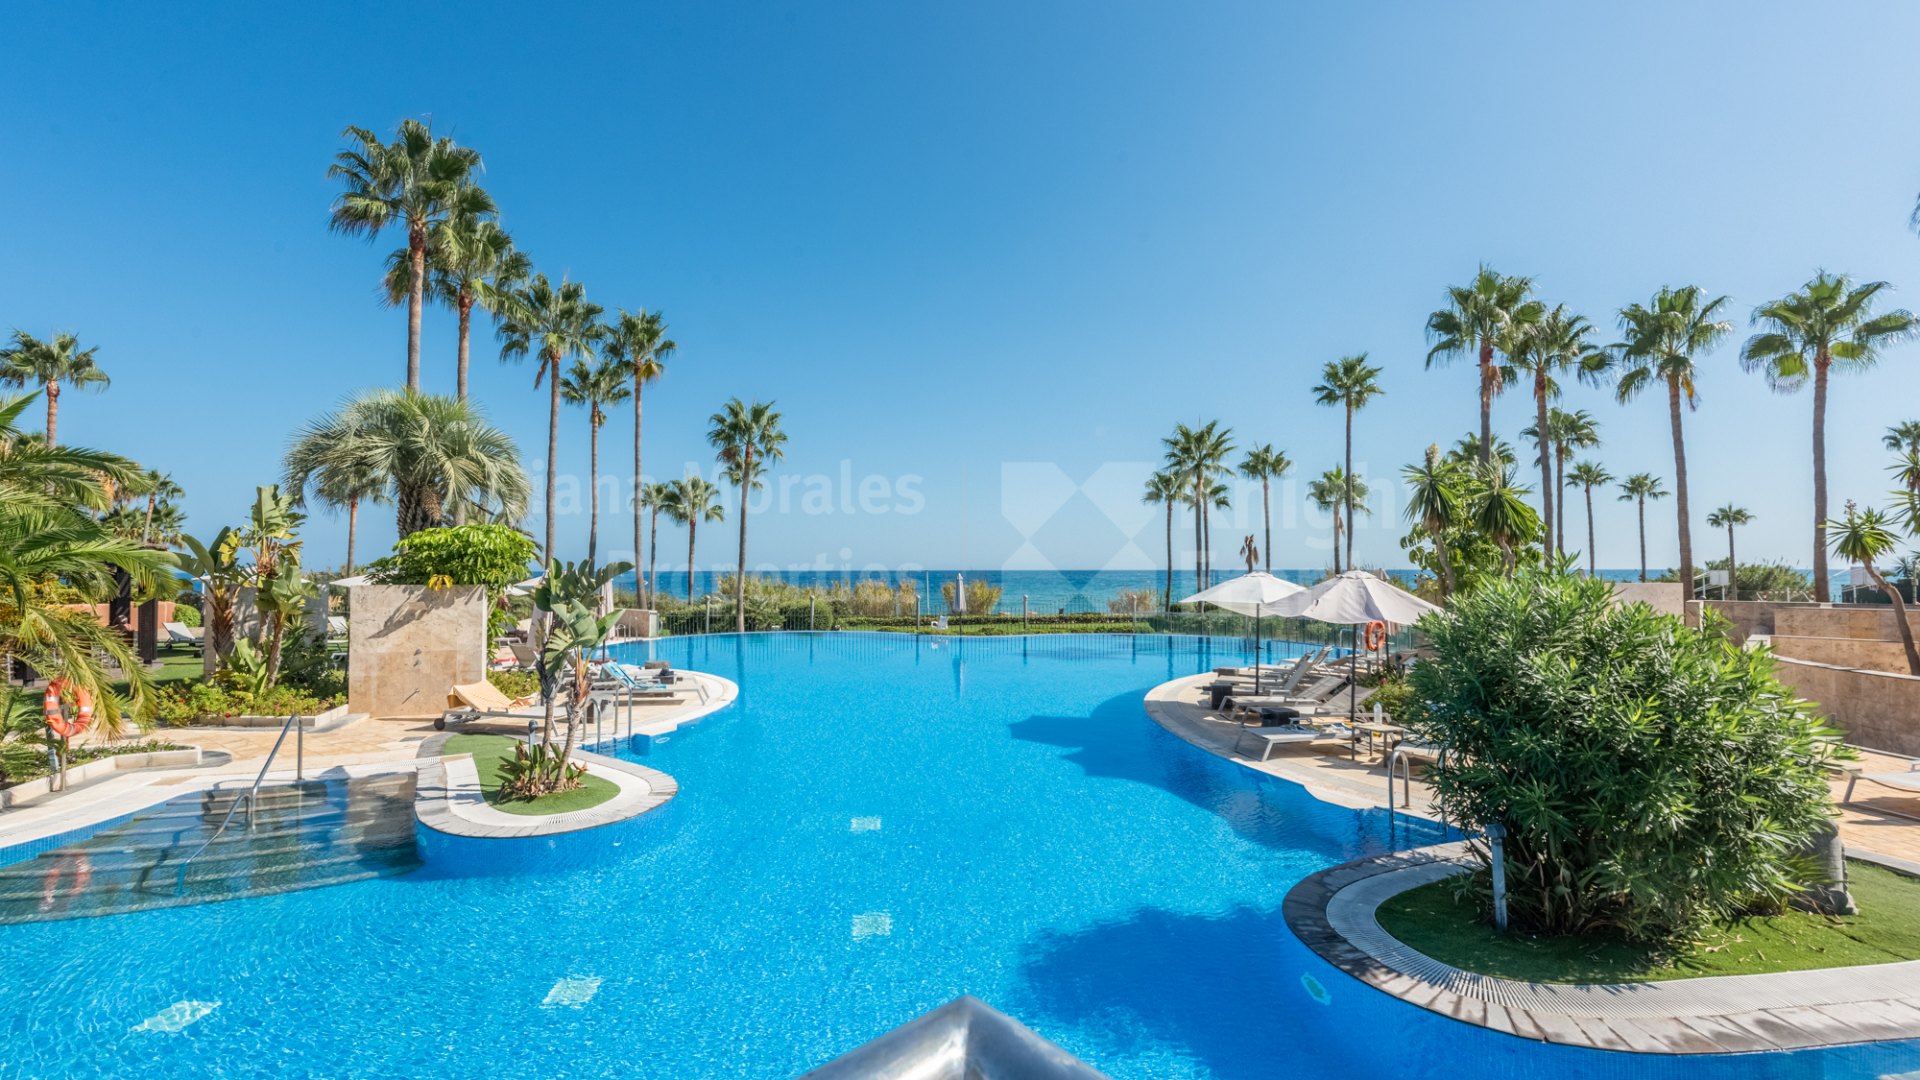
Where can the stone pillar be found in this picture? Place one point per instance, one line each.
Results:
(409, 645)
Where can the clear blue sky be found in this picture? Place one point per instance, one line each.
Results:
(949, 238)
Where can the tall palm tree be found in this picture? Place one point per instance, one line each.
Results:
(654, 497)
(595, 386)
(747, 440)
(1726, 518)
(1501, 512)
(1566, 432)
(1829, 323)
(1435, 503)
(1588, 475)
(471, 262)
(1349, 382)
(1200, 455)
(552, 324)
(1164, 489)
(429, 454)
(690, 501)
(1904, 435)
(1262, 463)
(1477, 317)
(412, 182)
(1337, 493)
(51, 364)
(1556, 343)
(1662, 341)
(638, 339)
(158, 487)
(1866, 537)
(1637, 489)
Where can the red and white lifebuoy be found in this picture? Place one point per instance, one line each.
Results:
(64, 726)
(1376, 635)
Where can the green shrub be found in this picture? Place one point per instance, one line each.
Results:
(188, 703)
(186, 615)
(492, 555)
(515, 684)
(1651, 778)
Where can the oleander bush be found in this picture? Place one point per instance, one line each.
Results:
(1651, 778)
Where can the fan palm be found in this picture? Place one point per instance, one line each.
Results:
(1726, 518)
(51, 364)
(690, 501)
(159, 488)
(1200, 455)
(638, 340)
(1866, 537)
(471, 262)
(654, 497)
(552, 324)
(747, 440)
(1556, 343)
(595, 386)
(1349, 382)
(1502, 514)
(1637, 489)
(1566, 432)
(339, 473)
(1435, 503)
(1262, 463)
(1830, 323)
(1904, 435)
(1164, 489)
(1478, 316)
(1588, 475)
(1338, 494)
(37, 476)
(429, 454)
(414, 182)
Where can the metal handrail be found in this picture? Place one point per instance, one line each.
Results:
(252, 794)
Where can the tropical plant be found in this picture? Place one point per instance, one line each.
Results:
(1338, 494)
(1637, 489)
(159, 488)
(1904, 435)
(1435, 504)
(1586, 476)
(1478, 317)
(216, 565)
(691, 500)
(1350, 383)
(1164, 489)
(552, 325)
(1827, 324)
(50, 365)
(746, 440)
(1566, 432)
(1866, 537)
(568, 593)
(1546, 348)
(638, 341)
(471, 262)
(1662, 341)
(339, 474)
(37, 476)
(654, 497)
(1502, 515)
(415, 182)
(595, 386)
(1262, 463)
(431, 455)
(495, 556)
(1650, 778)
(1199, 455)
(1727, 517)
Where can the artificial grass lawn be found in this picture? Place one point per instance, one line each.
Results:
(1887, 930)
(491, 752)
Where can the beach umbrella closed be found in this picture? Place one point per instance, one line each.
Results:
(959, 594)
(1354, 599)
(1256, 594)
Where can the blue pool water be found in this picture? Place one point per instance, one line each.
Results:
(878, 825)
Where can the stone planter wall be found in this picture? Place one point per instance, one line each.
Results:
(409, 644)
(34, 790)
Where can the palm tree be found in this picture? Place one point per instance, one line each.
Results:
(413, 182)
(654, 497)
(1566, 431)
(1262, 463)
(1726, 518)
(431, 455)
(1501, 512)
(1903, 436)
(341, 476)
(1164, 489)
(1470, 447)
(50, 364)
(1338, 493)
(1637, 489)
(1588, 475)
(690, 501)
(747, 440)
(1434, 503)
(471, 262)
(594, 386)
(1663, 340)
(552, 324)
(639, 340)
(1830, 322)
(1200, 455)
(158, 487)
(1477, 317)
(1866, 537)
(1555, 343)
(1348, 382)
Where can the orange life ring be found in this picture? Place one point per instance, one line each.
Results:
(1376, 635)
(57, 710)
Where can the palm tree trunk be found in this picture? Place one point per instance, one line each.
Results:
(1446, 564)
(1486, 402)
(1336, 540)
(1591, 572)
(466, 321)
(353, 526)
(593, 499)
(1899, 618)
(1199, 537)
(693, 524)
(1546, 461)
(639, 490)
(1560, 500)
(1822, 586)
(1643, 537)
(740, 573)
(146, 528)
(1166, 599)
(553, 446)
(653, 552)
(416, 292)
(1266, 515)
(1733, 568)
(1349, 482)
(1206, 545)
(1680, 490)
(53, 414)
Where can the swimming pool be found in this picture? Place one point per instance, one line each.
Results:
(879, 824)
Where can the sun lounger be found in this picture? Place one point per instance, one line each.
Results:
(1265, 739)
(1908, 782)
(484, 701)
(182, 634)
(336, 627)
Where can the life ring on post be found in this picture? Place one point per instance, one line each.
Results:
(1376, 635)
(56, 708)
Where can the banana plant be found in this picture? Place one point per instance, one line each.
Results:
(569, 593)
(217, 567)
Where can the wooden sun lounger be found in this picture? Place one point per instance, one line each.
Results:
(484, 701)
(1908, 782)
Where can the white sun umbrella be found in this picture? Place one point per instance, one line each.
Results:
(1352, 599)
(1256, 594)
(522, 588)
(959, 594)
(348, 582)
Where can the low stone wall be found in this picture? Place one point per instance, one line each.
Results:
(1877, 709)
(409, 644)
(1871, 622)
(1888, 656)
(1661, 596)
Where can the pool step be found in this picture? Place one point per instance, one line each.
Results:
(301, 836)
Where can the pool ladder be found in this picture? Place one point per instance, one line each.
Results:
(252, 795)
